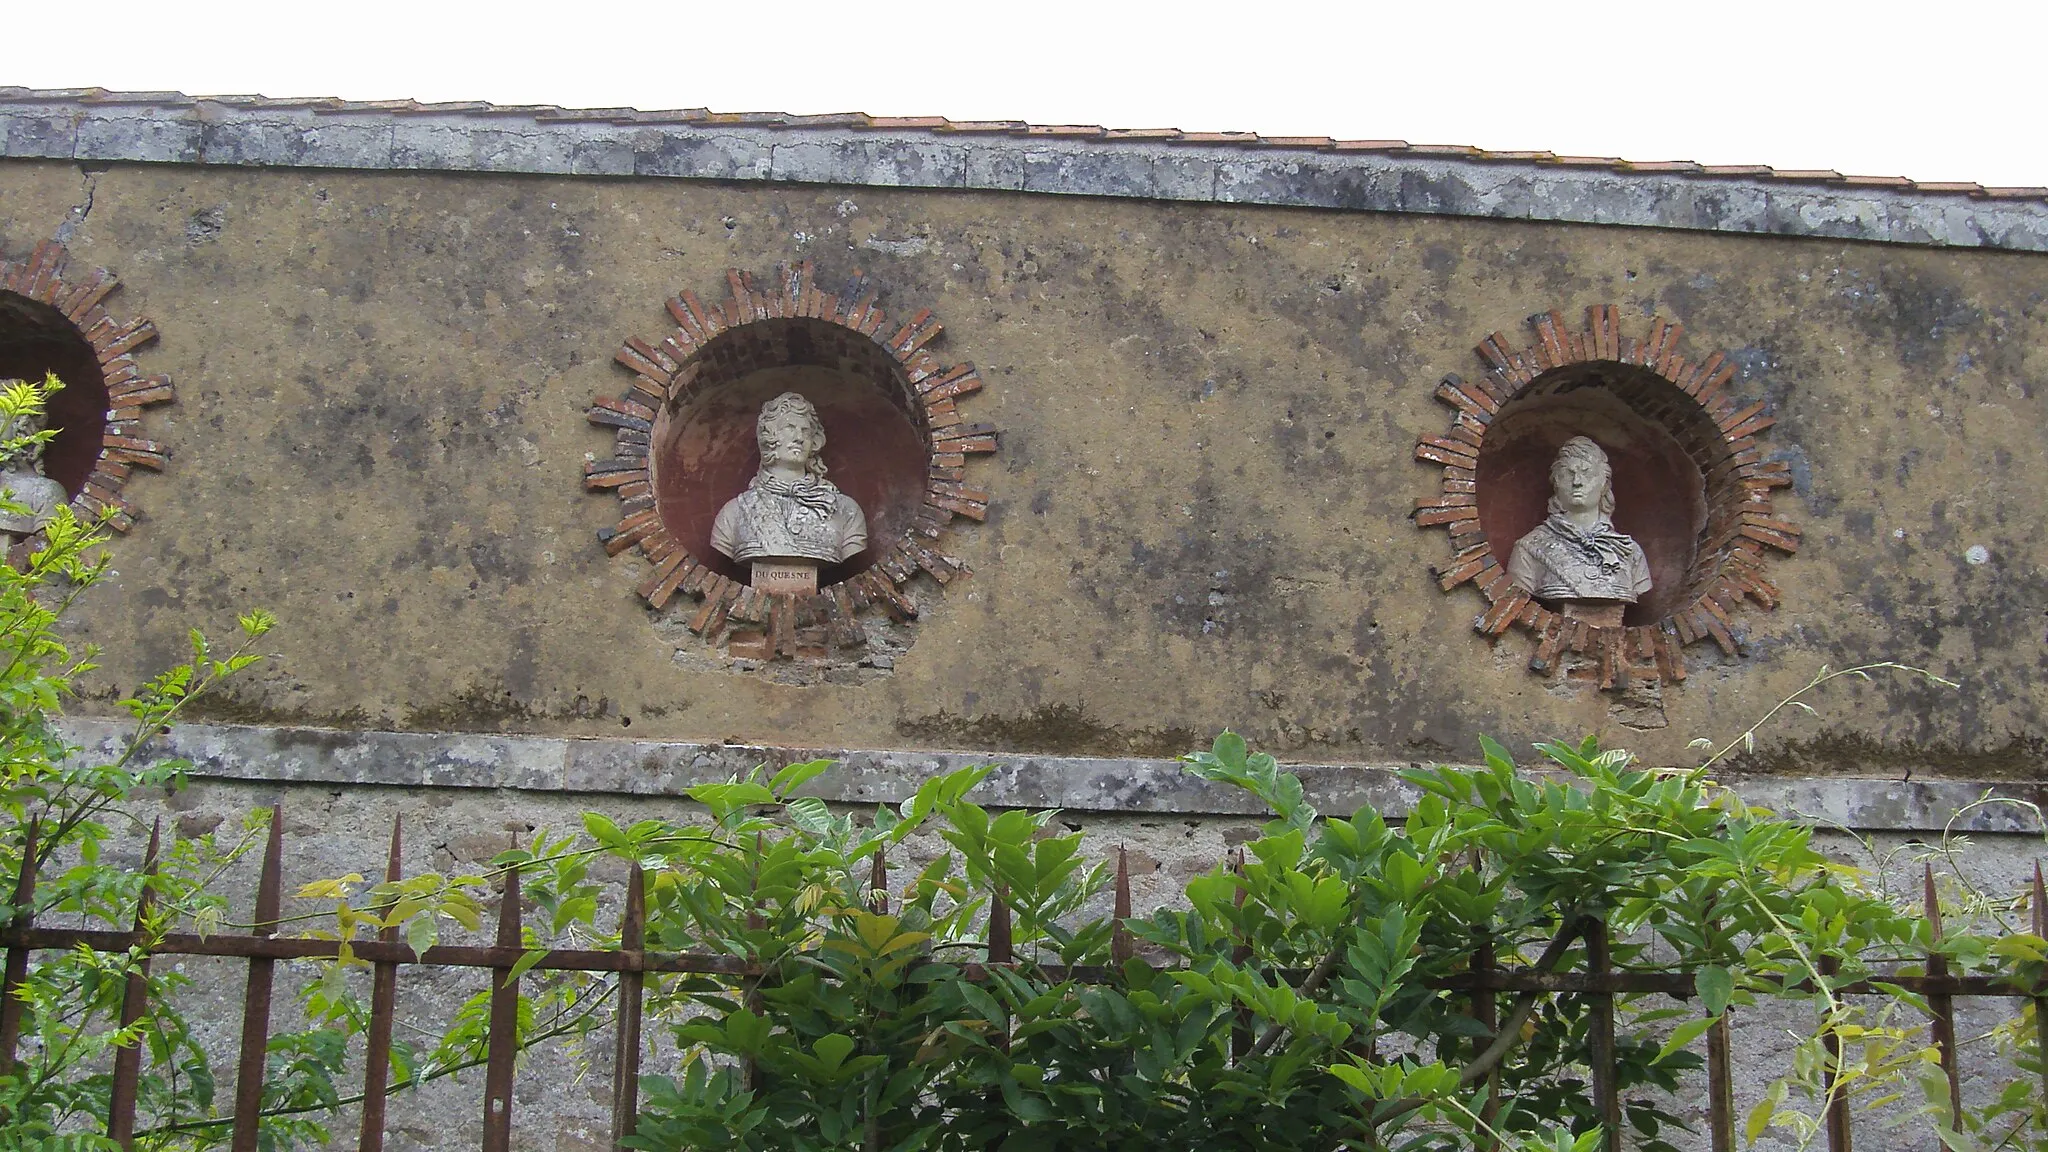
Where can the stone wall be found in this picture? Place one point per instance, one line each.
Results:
(1199, 514)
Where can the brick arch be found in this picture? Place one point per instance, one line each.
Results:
(773, 323)
(93, 455)
(1688, 401)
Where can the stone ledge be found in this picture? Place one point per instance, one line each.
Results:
(325, 756)
(288, 134)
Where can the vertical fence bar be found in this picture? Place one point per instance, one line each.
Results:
(2041, 998)
(878, 883)
(383, 1008)
(1606, 1086)
(1486, 1010)
(17, 957)
(1720, 1068)
(134, 997)
(256, 999)
(1241, 1026)
(504, 1037)
(1837, 1098)
(750, 986)
(1000, 951)
(632, 988)
(1721, 1084)
(1120, 946)
(1941, 1007)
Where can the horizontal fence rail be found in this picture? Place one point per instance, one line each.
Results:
(1484, 980)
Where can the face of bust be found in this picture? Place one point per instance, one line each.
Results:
(1579, 485)
(787, 441)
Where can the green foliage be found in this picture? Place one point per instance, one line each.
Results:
(1302, 996)
(70, 803)
(1298, 999)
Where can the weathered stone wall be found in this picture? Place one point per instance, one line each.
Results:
(1200, 504)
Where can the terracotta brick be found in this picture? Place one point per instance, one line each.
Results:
(714, 599)
(749, 607)
(1494, 350)
(1449, 500)
(751, 644)
(935, 564)
(662, 571)
(1452, 391)
(1548, 645)
(1429, 516)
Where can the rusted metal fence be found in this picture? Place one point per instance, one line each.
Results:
(1597, 984)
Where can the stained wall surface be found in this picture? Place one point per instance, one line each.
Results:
(1200, 506)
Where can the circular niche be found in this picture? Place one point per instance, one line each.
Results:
(54, 321)
(704, 449)
(1659, 485)
(36, 339)
(1689, 479)
(896, 442)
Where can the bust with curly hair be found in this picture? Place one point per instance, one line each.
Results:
(1576, 554)
(789, 511)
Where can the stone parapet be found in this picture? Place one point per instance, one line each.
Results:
(97, 127)
(1132, 786)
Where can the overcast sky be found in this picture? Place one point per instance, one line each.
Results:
(1931, 91)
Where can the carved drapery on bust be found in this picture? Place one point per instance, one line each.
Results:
(789, 511)
(1576, 554)
(22, 481)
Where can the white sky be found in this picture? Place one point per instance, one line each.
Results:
(1930, 91)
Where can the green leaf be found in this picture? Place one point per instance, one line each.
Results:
(525, 963)
(796, 776)
(1683, 1035)
(833, 1050)
(420, 934)
(1716, 986)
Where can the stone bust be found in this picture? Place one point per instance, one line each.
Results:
(22, 480)
(789, 511)
(1575, 554)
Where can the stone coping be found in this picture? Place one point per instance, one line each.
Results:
(90, 126)
(605, 766)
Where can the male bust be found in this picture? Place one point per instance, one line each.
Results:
(22, 482)
(1576, 554)
(789, 511)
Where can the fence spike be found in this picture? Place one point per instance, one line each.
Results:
(17, 956)
(134, 998)
(1120, 947)
(383, 1007)
(503, 1042)
(999, 947)
(632, 989)
(256, 996)
(1941, 1007)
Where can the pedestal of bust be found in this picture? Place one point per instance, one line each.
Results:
(785, 577)
(1595, 613)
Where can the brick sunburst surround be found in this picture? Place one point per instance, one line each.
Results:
(1686, 399)
(122, 447)
(716, 345)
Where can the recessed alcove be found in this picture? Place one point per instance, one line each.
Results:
(1660, 445)
(876, 438)
(36, 339)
